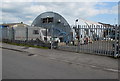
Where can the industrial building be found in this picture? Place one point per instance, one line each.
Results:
(93, 30)
(56, 25)
(6, 29)
(21, 24)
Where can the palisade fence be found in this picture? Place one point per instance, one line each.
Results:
(22, 35)
(96, 39)
(93, 39)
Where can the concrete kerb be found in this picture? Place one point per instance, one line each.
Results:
(60, 58)
(13, 49)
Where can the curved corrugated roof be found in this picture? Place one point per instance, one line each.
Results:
(87, 22)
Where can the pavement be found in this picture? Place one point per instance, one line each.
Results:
(18, 65)
(93, 61)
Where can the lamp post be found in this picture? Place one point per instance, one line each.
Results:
(52, 37)
(78, 34)
(76, 22)
(53, 24)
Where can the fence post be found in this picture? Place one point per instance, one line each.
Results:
(78, 39)
(13, 34)
(51, 37)
(119, 41)
(26, 34)
(116, 43)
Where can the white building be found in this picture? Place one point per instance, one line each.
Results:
(89, 29)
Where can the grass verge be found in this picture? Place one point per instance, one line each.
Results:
(26, 45)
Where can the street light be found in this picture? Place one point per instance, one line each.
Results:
(76, 22)
(53, 25)
(78, 33)
(76, 27)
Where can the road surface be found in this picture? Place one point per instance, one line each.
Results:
(18, 65)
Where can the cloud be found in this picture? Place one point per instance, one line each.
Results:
(35, 9)
(27, 11)
(8, 18)
(61, 1)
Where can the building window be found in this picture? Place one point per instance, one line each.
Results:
(35, 32)
(47, 20)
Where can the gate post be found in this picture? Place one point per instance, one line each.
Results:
(78, 38)
(13, 34)
(116, 46)
(26, 34)
(118, 40)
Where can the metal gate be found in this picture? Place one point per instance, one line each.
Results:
(96, 39)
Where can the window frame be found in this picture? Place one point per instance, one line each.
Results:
(36, 32)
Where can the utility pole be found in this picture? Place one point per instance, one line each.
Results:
(13, 34)
(52, 37)
(78, 38)
(119, 40)
(78, 34)
(26, 34)
(46, 35)
(115, 44)
(76, 22)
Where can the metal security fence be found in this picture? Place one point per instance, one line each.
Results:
(95, 39)
(23, 35)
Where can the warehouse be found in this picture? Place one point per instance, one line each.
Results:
(88, 30)
(56, 25)
(6, 29)
(21, 24)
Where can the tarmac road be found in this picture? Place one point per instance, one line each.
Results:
(18, 65)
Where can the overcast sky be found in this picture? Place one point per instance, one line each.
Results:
(106, 12)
